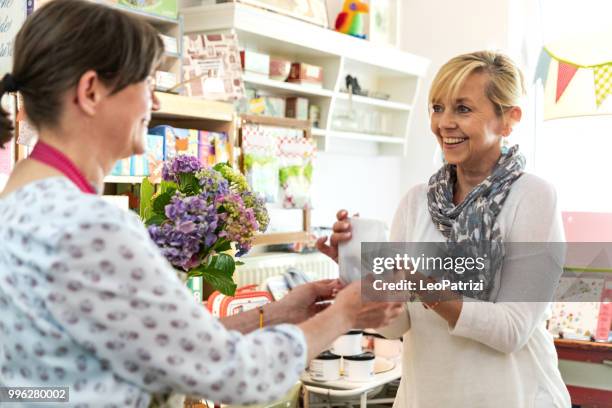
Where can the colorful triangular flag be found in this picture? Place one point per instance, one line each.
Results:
(565, 74)
(541, 71)
(603, 82)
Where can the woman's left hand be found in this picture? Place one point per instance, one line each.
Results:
(301, 302)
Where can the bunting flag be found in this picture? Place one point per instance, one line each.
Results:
(578, 83)
(541, 71)
(565, 74)
(603, 82)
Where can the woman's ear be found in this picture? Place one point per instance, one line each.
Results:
(89, 92)
(511, 117)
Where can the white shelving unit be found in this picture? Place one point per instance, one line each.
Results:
(173, 27)
(356, 124)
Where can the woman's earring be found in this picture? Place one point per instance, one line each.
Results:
(505, 147)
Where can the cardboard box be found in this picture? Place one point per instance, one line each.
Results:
(164, 8)
(170, 43)
(206, 147)
(211, 67)
(279, 69)
(177, 141)
(165, 80)
(150, 163)
(296, 108)
(274, 106)
(306, 74)
(123, 168)
(222, 148)
(255, 62)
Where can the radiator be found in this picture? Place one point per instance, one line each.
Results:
(257, 269)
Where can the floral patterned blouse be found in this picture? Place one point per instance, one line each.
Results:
(88, 302)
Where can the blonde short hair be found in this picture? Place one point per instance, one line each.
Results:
(506, 85)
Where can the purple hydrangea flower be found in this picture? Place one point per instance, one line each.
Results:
(240, 224)
(213, 184)
(180, 164)
(191, 227)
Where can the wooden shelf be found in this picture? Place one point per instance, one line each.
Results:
(285, 88)
(182, 107)
(124, 179)
(366, 137)
(381, 103)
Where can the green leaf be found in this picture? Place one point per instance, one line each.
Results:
(147, 189)
(220, 282)
(189, 184)
(308, 171)
(238, 263)
(155, 219)
(167, 186)
(221, 165)
(218, 272)
(161, 201)
(194, 273)
(222, 245)
(224, 263)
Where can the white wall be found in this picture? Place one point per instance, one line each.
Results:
(367, 185)
(438, 31)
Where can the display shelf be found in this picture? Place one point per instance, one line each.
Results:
(299, 36)
(286, 87)
(378, 69)
(381, 103)
(183, 107)
(124, 179)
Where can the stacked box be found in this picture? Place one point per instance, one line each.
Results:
(222, 148)
(177, 141)
(152, 161)
(297, 108)
(274, 106)
(123, 167)
(306, 74)
(207, 148)
(255, 62)
(139, 165)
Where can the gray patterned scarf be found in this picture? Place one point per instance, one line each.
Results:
(473, 223)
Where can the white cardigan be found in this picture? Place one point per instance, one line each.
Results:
(498, 354)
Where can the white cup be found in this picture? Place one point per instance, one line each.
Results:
(349, 252)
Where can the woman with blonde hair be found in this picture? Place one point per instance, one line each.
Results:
(488, 347)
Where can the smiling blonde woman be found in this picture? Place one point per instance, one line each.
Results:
(483, 348)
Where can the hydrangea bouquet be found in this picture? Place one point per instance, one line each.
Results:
(199, 215)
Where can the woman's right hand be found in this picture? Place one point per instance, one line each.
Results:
(341, 233)
(369, 315)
